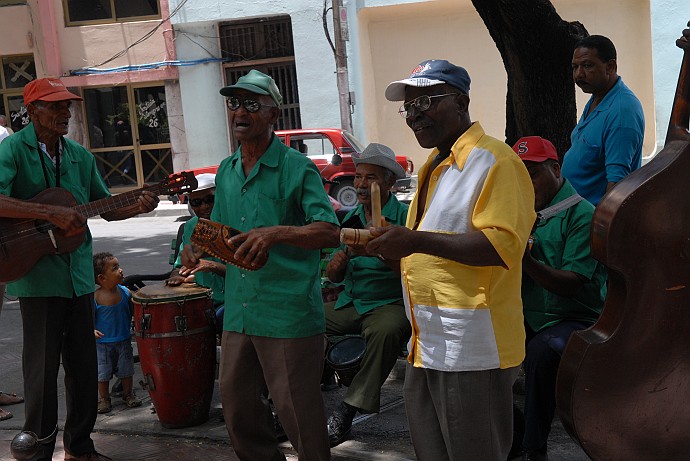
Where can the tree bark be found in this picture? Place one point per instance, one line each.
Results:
(536, 46)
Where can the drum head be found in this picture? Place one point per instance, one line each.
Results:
(164, 293)
(346, 352)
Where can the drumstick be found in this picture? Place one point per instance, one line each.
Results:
(375, 205)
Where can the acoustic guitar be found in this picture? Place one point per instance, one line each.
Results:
(24, 241)
(623, 383)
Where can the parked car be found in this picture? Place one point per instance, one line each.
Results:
(322, 146)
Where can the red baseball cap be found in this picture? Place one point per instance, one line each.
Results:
(535, 149)
(47, 89)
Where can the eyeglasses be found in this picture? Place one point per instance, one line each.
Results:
(249, 104)
(208, 200)
(422, 104)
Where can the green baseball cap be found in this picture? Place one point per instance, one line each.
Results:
(255, 82)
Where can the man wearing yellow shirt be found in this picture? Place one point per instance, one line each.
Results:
(461, 252)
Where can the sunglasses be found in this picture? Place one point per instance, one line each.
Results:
(422, 104)
(208, 200)
(249, 104)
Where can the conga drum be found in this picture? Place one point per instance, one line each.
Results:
(177, 349)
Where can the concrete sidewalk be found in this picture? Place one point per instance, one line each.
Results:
(132, 434)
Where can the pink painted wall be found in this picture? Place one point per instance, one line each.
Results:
(58, 49)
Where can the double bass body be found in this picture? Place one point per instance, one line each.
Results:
(623, 383)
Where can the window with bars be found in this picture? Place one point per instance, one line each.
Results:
(15, 73)
(264, 44)
(79, 12)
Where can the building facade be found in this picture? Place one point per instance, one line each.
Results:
(141, 65)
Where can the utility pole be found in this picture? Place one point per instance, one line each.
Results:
(340, 36)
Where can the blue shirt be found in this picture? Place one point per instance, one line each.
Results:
(606, 145)
(114, 321)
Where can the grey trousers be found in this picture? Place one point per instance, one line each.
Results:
(291, 368)
(456, 416)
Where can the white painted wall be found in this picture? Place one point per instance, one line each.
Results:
(669, 18)
(396, 35)
(204, 109)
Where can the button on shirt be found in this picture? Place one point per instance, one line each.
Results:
(606, 145)
(369, 283)
(283, 298)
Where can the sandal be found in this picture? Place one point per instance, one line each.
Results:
(10, 399)
(131, 401)
(4, 415)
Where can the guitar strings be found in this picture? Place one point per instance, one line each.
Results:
(124, 199)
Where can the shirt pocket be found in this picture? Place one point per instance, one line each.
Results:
(270, 211)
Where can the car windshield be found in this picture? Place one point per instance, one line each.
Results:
(353, 141)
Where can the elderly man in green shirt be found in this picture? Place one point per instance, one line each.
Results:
(563, 287)
(371, 302)
(56, 295)
(274, 319)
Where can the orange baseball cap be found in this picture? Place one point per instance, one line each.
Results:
(48, 89)
(535, 149)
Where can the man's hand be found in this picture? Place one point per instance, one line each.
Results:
(191, 255)
(175, 279)
(253, 246)
(98, 334)
(205, 265)
(147, 201)
(391, 242)
(335, 270)
(67, 219)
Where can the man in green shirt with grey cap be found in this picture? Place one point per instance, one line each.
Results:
(274, 320)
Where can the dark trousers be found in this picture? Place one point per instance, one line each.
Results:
(544, 350)
(384, 329)
(56, 328)
(291, 368)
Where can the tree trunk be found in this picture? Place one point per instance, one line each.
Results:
(536, 46)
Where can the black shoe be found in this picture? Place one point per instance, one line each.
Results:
(534, 456)
(340, 424)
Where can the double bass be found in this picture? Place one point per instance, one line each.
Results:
(623, 384)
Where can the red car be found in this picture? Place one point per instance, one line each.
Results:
(320, 145)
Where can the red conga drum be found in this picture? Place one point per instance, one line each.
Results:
(177, 348)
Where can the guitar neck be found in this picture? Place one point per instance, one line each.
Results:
(114, 202)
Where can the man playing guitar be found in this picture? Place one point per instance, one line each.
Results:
(56, 294)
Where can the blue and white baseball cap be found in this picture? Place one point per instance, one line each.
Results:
(430, 73)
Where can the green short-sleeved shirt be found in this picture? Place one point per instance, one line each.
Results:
(21, 177)
(283, 298)
(562, 242)
(206, 279)
(369, 283)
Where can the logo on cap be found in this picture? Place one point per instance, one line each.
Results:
(420, 69)
(522, 148)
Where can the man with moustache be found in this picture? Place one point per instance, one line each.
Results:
(606, 144)
(274, 318)
(371, 302)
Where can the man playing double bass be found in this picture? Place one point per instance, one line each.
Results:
(56, 295)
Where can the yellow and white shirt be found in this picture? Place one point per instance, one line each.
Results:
(468, 318)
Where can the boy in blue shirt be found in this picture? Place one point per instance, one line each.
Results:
(112, 330)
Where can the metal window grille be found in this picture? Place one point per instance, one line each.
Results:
(266, 45)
